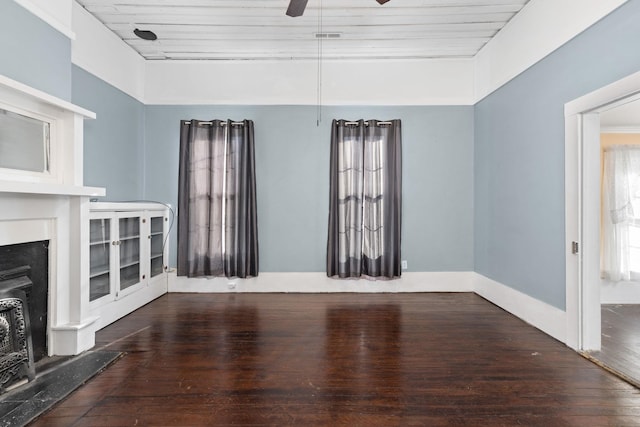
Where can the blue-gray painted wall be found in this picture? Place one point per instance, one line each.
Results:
(33, 52)
(483, 185)
(130, 144)
(519, 156)
(114, 141)
(292, 169)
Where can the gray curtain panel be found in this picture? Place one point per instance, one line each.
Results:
(217, 218)
(365, 206)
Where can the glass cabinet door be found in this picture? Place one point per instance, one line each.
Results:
(126, 254)
(99, 256)
(129, 247)
(156, 235)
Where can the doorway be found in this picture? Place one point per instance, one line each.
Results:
(620, 282)
(585, 117)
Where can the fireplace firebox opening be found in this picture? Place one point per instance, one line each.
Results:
(25, 267)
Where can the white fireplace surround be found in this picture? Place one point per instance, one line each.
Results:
(54, 207)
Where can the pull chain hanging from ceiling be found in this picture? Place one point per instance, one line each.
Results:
(319, 36)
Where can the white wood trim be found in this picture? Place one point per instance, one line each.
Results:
(583, 314)
(346, 82)
(25, 230)
(572, 231)
(126, 206)
(55, 211)
(50, 189)
(48, 18)
(620, 292)
(320, 283)
(590, 232)
(109, 313)
(43, 97)
(548, 319)
(540, 28)
(518, 46)
(606, 97)
(72, 338)
(102, 53)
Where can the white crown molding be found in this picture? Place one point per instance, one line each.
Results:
(48, 18)
(520, 44)
(525, 40)
(100, 52)
(348, 82)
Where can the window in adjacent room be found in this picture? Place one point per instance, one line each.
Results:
(620, 259)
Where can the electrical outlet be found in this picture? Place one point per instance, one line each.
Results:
(404, 264)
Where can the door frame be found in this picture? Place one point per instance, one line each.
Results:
(582, 207)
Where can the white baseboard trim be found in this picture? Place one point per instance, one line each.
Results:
(549, 319)
(114, 310)
(72, 338)
(320, 283)
(543, 316)
(620, 292)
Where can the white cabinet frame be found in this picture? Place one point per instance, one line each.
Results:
(152, 245)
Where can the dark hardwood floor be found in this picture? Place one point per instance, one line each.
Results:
(340, 359)
(620, 350)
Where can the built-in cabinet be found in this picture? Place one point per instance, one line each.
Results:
(128, 257)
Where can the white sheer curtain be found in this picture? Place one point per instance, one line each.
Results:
(621, 190)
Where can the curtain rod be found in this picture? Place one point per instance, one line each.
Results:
(366, 123)
(222, 123)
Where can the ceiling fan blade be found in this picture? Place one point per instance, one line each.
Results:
(382, 1)
(296, 7)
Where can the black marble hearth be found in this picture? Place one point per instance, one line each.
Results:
(26, 402)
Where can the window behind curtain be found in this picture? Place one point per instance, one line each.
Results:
(217, 215)
(365, 199)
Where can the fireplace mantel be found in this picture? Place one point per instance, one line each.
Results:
(49, 189)
(34, 96)
(54, 206)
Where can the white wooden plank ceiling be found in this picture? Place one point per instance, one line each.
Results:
(259, 29)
